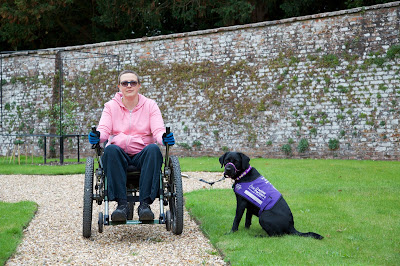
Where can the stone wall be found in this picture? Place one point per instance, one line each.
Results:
(320, 86)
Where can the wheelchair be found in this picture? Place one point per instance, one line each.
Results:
(170, 193)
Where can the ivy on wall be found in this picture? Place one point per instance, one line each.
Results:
(31, 102)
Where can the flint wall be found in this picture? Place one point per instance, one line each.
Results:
(330, 79)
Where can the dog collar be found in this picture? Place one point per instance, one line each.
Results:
(244, 173)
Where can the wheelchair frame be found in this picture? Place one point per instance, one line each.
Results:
(170, 194)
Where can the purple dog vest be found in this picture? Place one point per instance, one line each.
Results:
(259, 192)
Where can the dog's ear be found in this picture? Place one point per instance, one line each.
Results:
(245, 161)
(222, 159)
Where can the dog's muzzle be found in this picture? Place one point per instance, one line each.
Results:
(230, 170)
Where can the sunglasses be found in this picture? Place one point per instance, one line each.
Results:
(126, 83)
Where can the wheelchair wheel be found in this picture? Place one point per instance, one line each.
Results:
(88, 198)
(176, 199)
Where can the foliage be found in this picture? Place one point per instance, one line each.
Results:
(287, 149)
(393, 52)
(26, 24)
(303, 145)
(294, 8)
(196, 143)
(23, 117)
(361, 3)
(14, 217)
(329, 60)
(225, 149)
(184, 145)
(333, 144)
(313, 131)
(316, 191)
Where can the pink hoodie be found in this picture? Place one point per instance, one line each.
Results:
(131, 130)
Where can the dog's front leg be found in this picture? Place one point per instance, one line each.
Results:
(249, 214)
(240, 207)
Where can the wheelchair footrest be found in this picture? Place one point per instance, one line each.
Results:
(136, 222)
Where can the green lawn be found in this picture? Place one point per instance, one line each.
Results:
(14, 217)
(26, 167)
(353, 204)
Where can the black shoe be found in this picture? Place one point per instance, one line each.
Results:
(120, 214)
(144, 212)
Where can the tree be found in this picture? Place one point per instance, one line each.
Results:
(37, 24)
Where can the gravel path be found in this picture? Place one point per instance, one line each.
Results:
(54, 236)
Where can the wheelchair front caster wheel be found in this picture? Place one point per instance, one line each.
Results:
(131, 207)
(168, 220)
(101, 222)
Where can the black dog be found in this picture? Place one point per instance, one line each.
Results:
(257, 195)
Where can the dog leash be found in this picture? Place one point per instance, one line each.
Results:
(212, 183)
(205, 181)
(223, 178)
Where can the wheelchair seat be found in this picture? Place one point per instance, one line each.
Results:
(132, 177)
(132, 169)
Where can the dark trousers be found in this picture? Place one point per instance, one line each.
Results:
(115, 163)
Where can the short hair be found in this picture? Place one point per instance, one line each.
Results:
(128, 71)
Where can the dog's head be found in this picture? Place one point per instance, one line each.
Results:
(235, 163)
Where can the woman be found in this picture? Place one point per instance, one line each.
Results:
(132, 124)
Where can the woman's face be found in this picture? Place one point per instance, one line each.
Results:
(129, 85)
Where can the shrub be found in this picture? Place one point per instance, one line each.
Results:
(303, 145)
(333, 144)
(287, 149)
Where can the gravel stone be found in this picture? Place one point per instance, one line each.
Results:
(54, 236)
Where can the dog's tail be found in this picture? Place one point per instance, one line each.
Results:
(309, 234)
